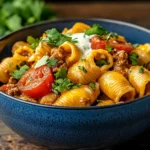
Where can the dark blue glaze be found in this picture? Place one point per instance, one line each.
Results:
(64, 127)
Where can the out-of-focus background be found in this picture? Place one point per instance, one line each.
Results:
(15, 14)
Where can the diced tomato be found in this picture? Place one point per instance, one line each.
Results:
(97, 43)
(36, 82)
(6, 87)
(122, 46)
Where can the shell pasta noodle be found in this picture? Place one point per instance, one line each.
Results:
(140, 81)
(71, 53)
(143, 51)
(92, 72)
(6, 66)
(116, 86)
(83, 96)
(85, 65)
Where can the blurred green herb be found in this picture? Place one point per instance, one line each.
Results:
(135, 45)
(14, 14)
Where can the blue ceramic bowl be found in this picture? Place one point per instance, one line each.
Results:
(65, 127)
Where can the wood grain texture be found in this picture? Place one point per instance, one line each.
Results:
(4, 130)
(133, 12)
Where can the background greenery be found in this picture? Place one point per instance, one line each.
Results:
(14, 14)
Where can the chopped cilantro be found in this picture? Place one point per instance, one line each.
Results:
(96, 29)
(82, 68)
(10, 65)
(55, 38)
(46, 60)
(61, 85)
(100, 101)
(109, 48)
(17, 74)
(61, 73)
(34, 42)
(135, 45)
(76, 86)
(134, 58)
(51, 62)
(92, 85)
(141, 69)
(83, 59)
(101, 63)
(111, 34)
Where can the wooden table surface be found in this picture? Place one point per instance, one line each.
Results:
(137, 13)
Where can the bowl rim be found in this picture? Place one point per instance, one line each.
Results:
(70, 20)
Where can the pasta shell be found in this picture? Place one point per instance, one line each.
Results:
(83, 96)
(48, 99)
(23, 53)
(116, 86)
(105, 103)
(143, 51)
(19, 44)
(140, 81)
(6, 66)
(41, 50)
(78, 27)
(71, 52)
(91, 71)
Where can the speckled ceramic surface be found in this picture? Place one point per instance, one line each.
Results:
(63, 127)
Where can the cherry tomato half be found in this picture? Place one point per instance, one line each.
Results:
(122, 46)
(97, 43)
(36, 82)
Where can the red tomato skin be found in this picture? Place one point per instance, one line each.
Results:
(4, 88)
(97, 43)
(40, 89)
(122, 46)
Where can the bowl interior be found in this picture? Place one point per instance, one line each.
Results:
(133, 33)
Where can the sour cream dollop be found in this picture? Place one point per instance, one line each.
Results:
(83, 43)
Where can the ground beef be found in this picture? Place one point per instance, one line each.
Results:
(58, 54)
(12, 80)
(60, 64)
(14, 90)
(121, 62)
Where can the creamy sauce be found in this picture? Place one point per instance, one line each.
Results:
(83, 43)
